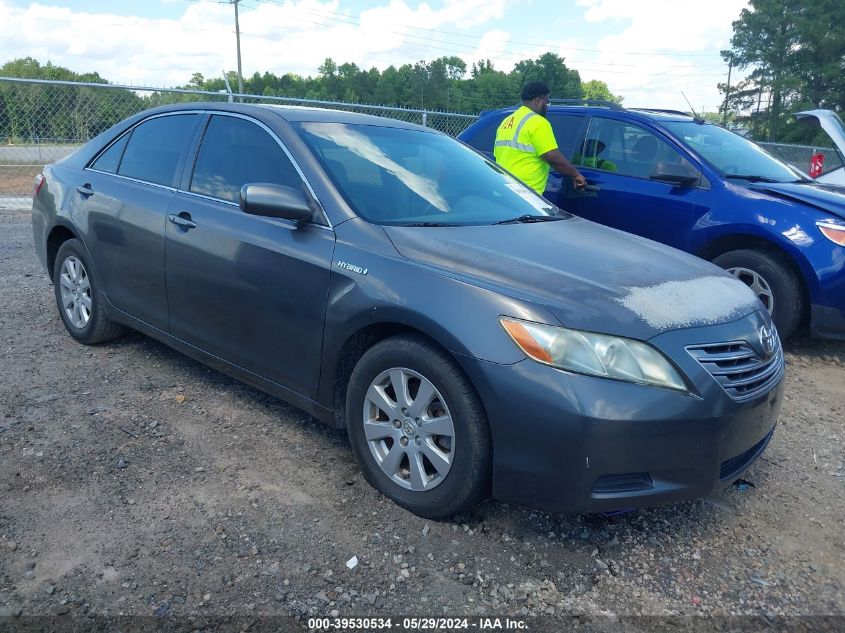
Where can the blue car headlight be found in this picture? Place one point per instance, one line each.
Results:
(834, 231)
(593, 354)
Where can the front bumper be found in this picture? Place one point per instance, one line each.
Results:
(827, 322)
(570, 443)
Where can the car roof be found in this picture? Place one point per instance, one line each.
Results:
(658, 115)
(291, 113)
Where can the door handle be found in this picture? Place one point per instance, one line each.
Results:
(183, 219)
(85, 190)
(593, 188)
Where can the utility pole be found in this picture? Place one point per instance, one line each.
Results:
(727, 92)
(238, 40)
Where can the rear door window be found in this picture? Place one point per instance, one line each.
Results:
(485, 135)
(155, 148)
(235, 152)
(109, 160)
(567, 128)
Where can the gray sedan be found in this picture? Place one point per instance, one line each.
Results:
(472, 338)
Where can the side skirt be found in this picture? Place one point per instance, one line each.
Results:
(324, 414)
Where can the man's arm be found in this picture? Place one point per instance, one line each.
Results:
(560, 163)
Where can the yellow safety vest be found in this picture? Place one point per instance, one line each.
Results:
(520, 140)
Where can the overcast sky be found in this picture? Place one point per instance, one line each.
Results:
(647, 51)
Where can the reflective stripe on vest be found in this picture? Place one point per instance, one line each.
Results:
(514, 142)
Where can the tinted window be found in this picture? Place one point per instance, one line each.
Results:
(235, 152)
(729, 152)
(155, 148)
(624, 148)
(485, 135)
(566, 128)
(110, 159)
(398, 176)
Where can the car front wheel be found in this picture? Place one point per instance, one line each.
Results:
(417, 428)
(77, 296)
(772, 280)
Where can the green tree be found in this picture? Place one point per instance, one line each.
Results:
(598, 90)
(795, 51)
(56, 113)
(563, 82)
(445, 83)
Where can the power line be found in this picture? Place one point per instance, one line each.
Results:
(512, 56)
(356, 21)
(515, 56)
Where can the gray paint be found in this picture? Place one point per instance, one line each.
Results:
(263, 300)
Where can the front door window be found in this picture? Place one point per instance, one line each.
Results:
(624, 148)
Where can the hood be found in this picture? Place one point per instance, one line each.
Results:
(829, 121)
(588, 276)
(829, 198)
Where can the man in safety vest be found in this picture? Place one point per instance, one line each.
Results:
(525, 143)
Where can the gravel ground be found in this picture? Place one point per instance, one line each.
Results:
(134, 481)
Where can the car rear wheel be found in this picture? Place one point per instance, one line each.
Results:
(77, 296)
(772, 280)
(418, 429)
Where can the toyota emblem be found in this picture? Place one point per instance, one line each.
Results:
(767, 339)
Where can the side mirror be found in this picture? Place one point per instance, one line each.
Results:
(275, 201)
(676, 173)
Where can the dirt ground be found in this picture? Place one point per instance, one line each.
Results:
(17, 180)
(136, 482)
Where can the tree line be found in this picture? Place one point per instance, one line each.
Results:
(791, 53)
(41, 112)
(445, 84)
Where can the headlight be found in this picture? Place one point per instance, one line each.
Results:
(834, 232)
(593, 354)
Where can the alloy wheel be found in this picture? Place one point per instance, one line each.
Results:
(409, 429)
(76, 292)
(759, 286)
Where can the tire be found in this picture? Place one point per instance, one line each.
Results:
(79, 298)
(415, 475)
(774, 283)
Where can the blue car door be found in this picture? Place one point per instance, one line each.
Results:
(618, 159)
(569, 130)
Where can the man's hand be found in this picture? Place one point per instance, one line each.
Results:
(559, 162)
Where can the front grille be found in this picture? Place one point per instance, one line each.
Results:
(742, 371)
(734, 466)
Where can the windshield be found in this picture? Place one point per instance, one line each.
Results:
(730, 153)
(396, 176)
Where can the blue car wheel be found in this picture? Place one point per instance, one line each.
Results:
(773, 281)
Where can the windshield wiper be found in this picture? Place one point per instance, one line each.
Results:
(751, 178)
(528, 219)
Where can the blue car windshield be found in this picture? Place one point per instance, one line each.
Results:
(730, 153)
(394, 176)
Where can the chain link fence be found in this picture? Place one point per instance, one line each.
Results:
(800, 155)
(42, 121)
